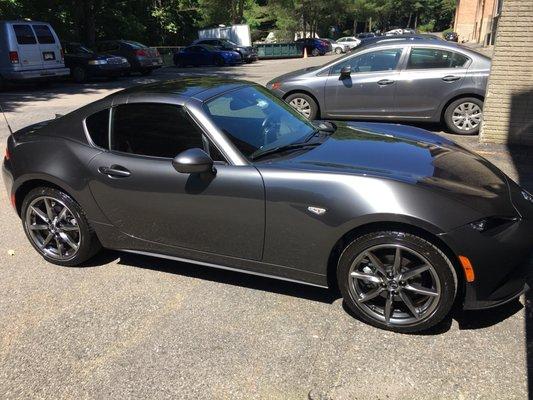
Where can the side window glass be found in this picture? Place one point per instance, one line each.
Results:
(381, 60)
(424, 58)
(98, 128)
(44, 35)
(152, 129)
(24, 34)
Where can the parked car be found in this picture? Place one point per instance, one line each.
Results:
(365, 35)
(221, 173)
(142, 58)
(85, 64)
(400, 31)
(451, 36)
(30, 50)
(402, 79)
(314, 47)
(337, 47)
(247, 53)
(202, 54)
(351, 41)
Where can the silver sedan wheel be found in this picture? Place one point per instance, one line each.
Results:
(53, 228)
(302, 106)
(467, 116)
(394, 284)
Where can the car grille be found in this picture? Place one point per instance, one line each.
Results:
(115, 60)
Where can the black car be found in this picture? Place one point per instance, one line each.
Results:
(85, 64)
(248, 53)
(451, 36)
(223, 174)
(142, 58)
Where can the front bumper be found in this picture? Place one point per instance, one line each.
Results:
(36, 74)
(108, 69)
(502, 262)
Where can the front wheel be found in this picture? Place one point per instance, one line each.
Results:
(57, 227)
(315, 52)
(463, 116)
(79, 74)
(397, 281)
(304, 104)
(338, 50)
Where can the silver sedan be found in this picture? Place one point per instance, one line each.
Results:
(403, 79)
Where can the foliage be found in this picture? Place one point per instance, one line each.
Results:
(173, 22)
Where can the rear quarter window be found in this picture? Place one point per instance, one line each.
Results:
(427, 58)
(44, 34)
(24, 34)
(98, 128)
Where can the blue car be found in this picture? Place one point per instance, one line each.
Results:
(202, 54)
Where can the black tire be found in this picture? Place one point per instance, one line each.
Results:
(315, 52)
(380, 241)
(89, 244)
(314, 111)
(146, 71)
(79, 74)
(178, 63)
(338, 50)
(219, 62)
(448, 115)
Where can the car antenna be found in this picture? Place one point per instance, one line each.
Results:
(5, 118)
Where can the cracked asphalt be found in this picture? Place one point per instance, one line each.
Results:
(129, 326)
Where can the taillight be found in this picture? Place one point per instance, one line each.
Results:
(14, 57)
(62, 54)
(8, 154)
(140, 53)
(157, 53)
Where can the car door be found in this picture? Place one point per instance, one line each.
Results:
(27, 47)
(369, 90)
(431, 75)
(142, 195)
(49, 46)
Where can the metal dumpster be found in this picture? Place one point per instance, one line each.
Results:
(279, 50)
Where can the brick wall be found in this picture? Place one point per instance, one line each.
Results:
(508, 110)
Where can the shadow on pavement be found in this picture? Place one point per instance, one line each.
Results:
(520, 130)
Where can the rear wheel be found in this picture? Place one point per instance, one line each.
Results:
(79, 74)
(304, 104)
(219, 62)
(463, 116)
(57, 227)
(338, 50)
(397, 281)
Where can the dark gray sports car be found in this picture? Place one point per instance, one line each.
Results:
(222, 173)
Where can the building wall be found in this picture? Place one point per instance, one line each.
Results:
(473, 19)
(508, 110)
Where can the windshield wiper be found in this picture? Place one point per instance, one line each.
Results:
(288, 147)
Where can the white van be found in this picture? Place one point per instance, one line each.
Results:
(30, 50)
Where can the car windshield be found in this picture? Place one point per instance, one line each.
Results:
(136, 45)
(256, 122)
(230, 43)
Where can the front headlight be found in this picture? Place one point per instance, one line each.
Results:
(97, 62)
(528, 196)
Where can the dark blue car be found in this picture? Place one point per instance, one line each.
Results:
(314, 47)
(202, 54)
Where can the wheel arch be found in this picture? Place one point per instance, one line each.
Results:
(308, 93)
(407, 227)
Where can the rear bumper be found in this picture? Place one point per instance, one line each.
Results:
(36, 74)
(149, 63)
(7, 177)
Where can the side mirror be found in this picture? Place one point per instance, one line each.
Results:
(346, 72)
(193, 161)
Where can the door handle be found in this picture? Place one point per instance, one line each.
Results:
(385, 82)
(115, 171)
(451, 78)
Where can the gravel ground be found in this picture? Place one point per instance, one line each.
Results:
(138, 327)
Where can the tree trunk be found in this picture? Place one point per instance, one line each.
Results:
(416, 20)
(409, 21)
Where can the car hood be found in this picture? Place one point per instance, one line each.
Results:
(299, 73)
(409, 155)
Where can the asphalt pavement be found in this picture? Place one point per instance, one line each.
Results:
(129, 326)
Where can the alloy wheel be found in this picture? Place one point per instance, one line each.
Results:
(467, 116)
(53, 228)
(302, 106)
(394, 284)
